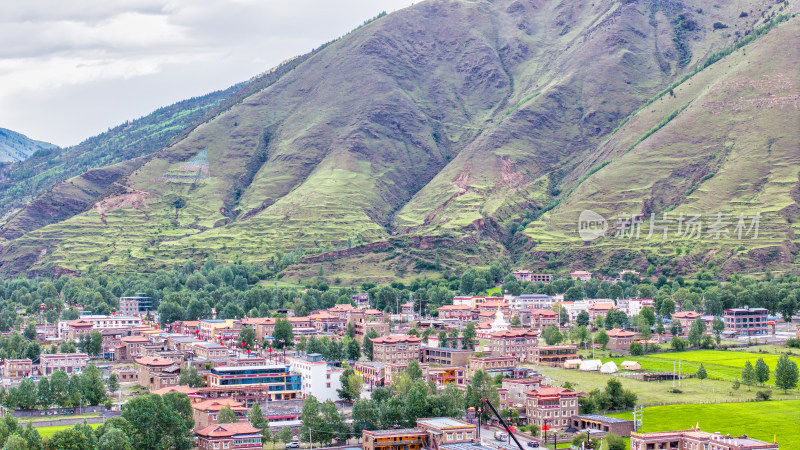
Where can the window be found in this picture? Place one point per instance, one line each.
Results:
(449, 436)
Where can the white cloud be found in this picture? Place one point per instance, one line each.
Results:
(61, 60)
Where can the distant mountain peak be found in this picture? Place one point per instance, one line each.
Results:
(18, 147)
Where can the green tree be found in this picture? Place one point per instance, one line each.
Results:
(112, 383)
(786, 373)
(748, 375)
(334, 426)
(248, 337)
(367, 343)
(636, 349)
(59, 388)
(353, 350)
(736, 384)
(551, 335)
(93, 390)
(582, 319)
(468, 336)
(285, 435)
(413, 370)
(191, 377)
(613, 442)
(43, 397)
(310, 418)
(27, 394)
(226, 415)
(283, 336)
(366, 415)
(717, 327)
(602, 338)
(696, 331)
(701, 373)
(677, 344)
(762, 371)
(644, 326)
(69, 439)
(480, 388)
(32, 437)
(15, 442)
(114, 439)
(255, 416)
(95, 346)
(156, 425)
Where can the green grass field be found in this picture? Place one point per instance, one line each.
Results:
(760, 420)
(719, 364)
(48, 432)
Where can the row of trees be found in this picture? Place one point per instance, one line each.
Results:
(786, 373)
(85, 389)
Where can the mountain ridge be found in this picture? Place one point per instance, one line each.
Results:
(440, 139)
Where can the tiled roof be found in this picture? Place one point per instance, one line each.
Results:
(228, 429)
(616, 332)
(217, 404)
(514, 334)
(455, 308)
(396, 338)
(148, 361)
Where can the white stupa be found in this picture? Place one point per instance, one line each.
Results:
(499, 323)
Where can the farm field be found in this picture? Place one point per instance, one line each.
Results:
(723, 365)
(658, 393)
(48, 432)
(760, 420)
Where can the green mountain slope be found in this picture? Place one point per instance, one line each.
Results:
(434, 133)
(18, 147)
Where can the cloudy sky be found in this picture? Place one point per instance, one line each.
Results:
(70, 69)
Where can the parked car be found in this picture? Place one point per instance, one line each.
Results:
(500, 436)
(533, 444)
(294, 444)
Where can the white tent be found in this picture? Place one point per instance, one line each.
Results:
(609, 367)
(631, 365)
(590, 365)
(572, 363)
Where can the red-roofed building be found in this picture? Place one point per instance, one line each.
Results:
(581, 275)
(396, 349)
(455, 312)
(685, 318)
(599, 309)
(543, 318)
(620, 339)
(223, 436)
(157, 373)
(206, 412)
(552, 404)
(520, 344)
(696, 439)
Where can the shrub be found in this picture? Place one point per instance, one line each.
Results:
(719, 25)
(763, 395)
(794, 343)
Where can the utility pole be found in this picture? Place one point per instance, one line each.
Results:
(679, 374)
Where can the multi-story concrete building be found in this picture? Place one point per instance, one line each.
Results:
(68, 362)
(317, 378)
(696, 439)
(746, 321)
(279, 380)
(619, 339)
(373, 373)
(225, 436)
(602, 424)
(527, 275)
(513, 392)
(447, 431)
(206, 412)
(445, 356)
(136, 305)
(519, 344)
(599, 309)
(96, 322)
(396, 349)
(543, 318)
(555, 355)
(441, 376)
(157, 373)
(581, 275)
(491, 364)
(15, 369)
(552, 405)
(210, 351)
(130, 348)
(636, 305)
(208, 327)
(395, 439)
(463, 312)
(531, 301)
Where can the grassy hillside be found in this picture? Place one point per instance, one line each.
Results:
(443, 130)
(18, 147)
